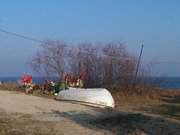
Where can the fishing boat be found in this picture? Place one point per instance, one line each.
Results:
(98, 97)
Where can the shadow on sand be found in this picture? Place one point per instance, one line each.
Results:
(121, 123)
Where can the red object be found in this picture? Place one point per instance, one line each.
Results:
(26, 79)
(70, 78)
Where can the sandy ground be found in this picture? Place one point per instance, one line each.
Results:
(13, 102)
(24, 114)
(46, 110)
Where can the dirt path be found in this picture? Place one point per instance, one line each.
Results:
(39, 111)
(14, 102)
(24, 114)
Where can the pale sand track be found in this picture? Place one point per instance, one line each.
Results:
(22, 114)
(40, 109)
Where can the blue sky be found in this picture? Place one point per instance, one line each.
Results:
(155, 23)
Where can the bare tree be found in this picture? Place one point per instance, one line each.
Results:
(106, 64)
(119, 64)
(84, 59)
(51, 60)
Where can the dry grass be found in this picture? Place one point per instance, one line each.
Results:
(15, 87)
(141, 93)
(9, 86)
(120, 95)
(155, 101)
(136, 95)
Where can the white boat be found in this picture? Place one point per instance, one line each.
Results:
(98, 97)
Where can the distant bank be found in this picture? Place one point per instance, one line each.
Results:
(163, 82)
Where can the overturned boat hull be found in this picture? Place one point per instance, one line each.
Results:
(93, 97)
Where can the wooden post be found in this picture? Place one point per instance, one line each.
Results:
(138, 65)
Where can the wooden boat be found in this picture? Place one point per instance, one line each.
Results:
(98, 97)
